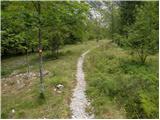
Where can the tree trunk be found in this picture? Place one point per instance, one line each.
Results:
(27, 63)
(32, 50)
(40, 53)
(57, 48)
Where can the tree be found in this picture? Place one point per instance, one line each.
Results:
(127, 15)
(143, 37)
(69, 19)
(66, 25)
(40, 50)
(38, 9)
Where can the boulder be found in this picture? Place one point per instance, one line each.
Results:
(55, 89)
(59, 86)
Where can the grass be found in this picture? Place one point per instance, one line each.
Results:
(119, 86)
(26, 102)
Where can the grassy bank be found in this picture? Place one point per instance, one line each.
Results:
(119, 86)
(25, 101)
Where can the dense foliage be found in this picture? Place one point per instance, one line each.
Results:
(130, 24)
(143, 35)
(134, 25)
(61, 23)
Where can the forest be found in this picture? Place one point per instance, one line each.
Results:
(80, 59)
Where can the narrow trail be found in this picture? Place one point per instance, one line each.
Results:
(79, 101)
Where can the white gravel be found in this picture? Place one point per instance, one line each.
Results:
(79, 101)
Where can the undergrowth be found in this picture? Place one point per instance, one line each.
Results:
(116, 79)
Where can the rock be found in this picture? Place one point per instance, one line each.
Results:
(55, 89)
(11, 82)
(21, 86)
(3, 79)
(20, 75)
(18, 81)
(30, 73)
(60, 86)
(33, 74)
(17, 75)
(26, 76)
(59, 91)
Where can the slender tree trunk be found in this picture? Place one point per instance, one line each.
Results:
(27, 62)
(40, 53)
(4, 52)
(32, 49)
(57, 48)
(52, 51)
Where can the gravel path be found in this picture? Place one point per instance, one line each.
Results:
(79, 101)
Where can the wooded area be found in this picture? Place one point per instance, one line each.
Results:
(127, 33)
(72, 22)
